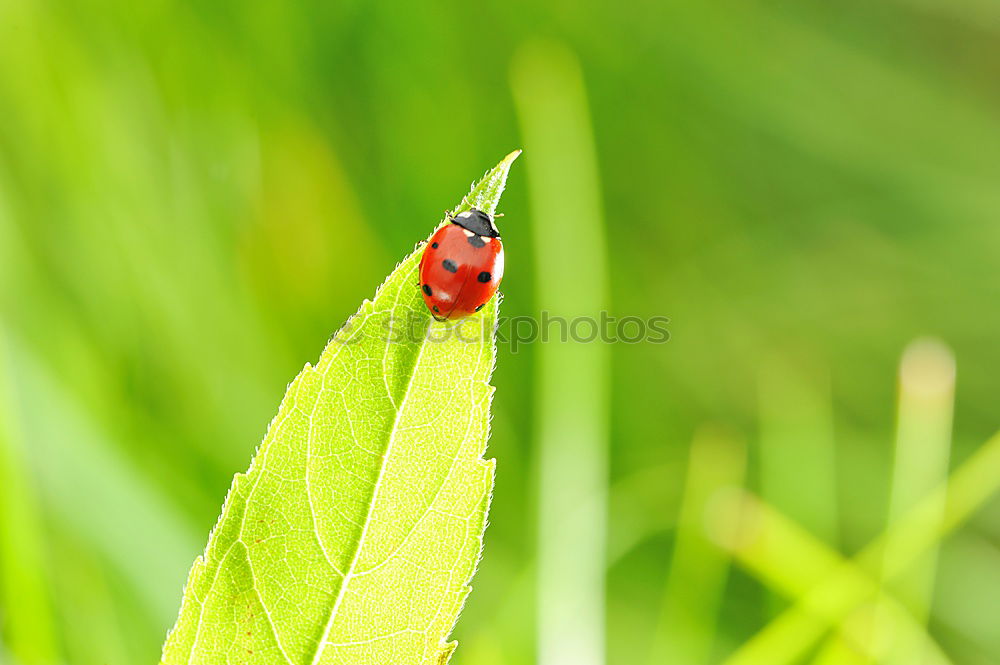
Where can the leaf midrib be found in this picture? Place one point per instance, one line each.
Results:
(348, 574)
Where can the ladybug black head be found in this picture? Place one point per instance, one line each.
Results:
(478, 222)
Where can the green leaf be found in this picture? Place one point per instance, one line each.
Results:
(353, 536)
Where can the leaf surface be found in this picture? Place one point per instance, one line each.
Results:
(353, 536)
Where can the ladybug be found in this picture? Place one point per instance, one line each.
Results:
(462, 266)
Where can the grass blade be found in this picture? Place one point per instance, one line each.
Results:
(795, 564)
(797, 629)
(572, 377)
(28, 632)
(697, 575)
(923, 446)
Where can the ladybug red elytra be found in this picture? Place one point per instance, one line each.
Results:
(462, 266)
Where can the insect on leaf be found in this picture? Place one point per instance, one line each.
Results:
(352, 538)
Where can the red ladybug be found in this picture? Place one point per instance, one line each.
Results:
(462, 266)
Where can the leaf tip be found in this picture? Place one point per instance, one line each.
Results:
(485, 193)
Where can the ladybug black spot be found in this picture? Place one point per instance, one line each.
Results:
(479, 307)
(484, 277)
(427, 289)
(449, 265)
(434, 245)
(436, 309)
(477, 241)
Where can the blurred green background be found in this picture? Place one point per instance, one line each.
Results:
(194, 196)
